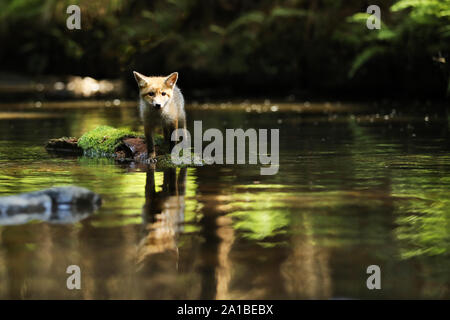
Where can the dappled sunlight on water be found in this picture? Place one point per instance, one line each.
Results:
(353, 189)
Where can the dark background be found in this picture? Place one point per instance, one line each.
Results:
(233, 48)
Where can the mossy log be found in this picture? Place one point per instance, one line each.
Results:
(105, 141)
(64, 145)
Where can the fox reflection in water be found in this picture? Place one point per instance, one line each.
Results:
(162, 216)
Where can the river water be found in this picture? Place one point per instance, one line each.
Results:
(354, 189)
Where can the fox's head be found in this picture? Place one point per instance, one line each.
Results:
(156, 91)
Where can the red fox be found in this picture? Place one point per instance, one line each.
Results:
(160, 103)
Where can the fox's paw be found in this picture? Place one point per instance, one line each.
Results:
(148, 158)
(151, 160)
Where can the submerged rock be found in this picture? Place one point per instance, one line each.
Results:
(58, 204)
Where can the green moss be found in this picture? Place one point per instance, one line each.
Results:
(165, 161)
(104, 139)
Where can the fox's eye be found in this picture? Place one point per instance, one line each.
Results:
(163, 93)
(151, 94)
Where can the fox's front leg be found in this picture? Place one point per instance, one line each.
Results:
(150, 144)
(168, 129)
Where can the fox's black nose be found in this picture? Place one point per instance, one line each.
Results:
(157, 106)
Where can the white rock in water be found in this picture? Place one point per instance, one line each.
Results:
(58, 204)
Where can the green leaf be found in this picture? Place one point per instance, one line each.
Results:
(364, 57)
(254, 17)
(280, 12)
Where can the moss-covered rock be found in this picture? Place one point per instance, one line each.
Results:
(165, 161)
(120, 144)
(104, 140)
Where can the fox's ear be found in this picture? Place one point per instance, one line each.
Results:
(172, 79)
(140, 79)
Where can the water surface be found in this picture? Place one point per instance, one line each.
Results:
(353, 189)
